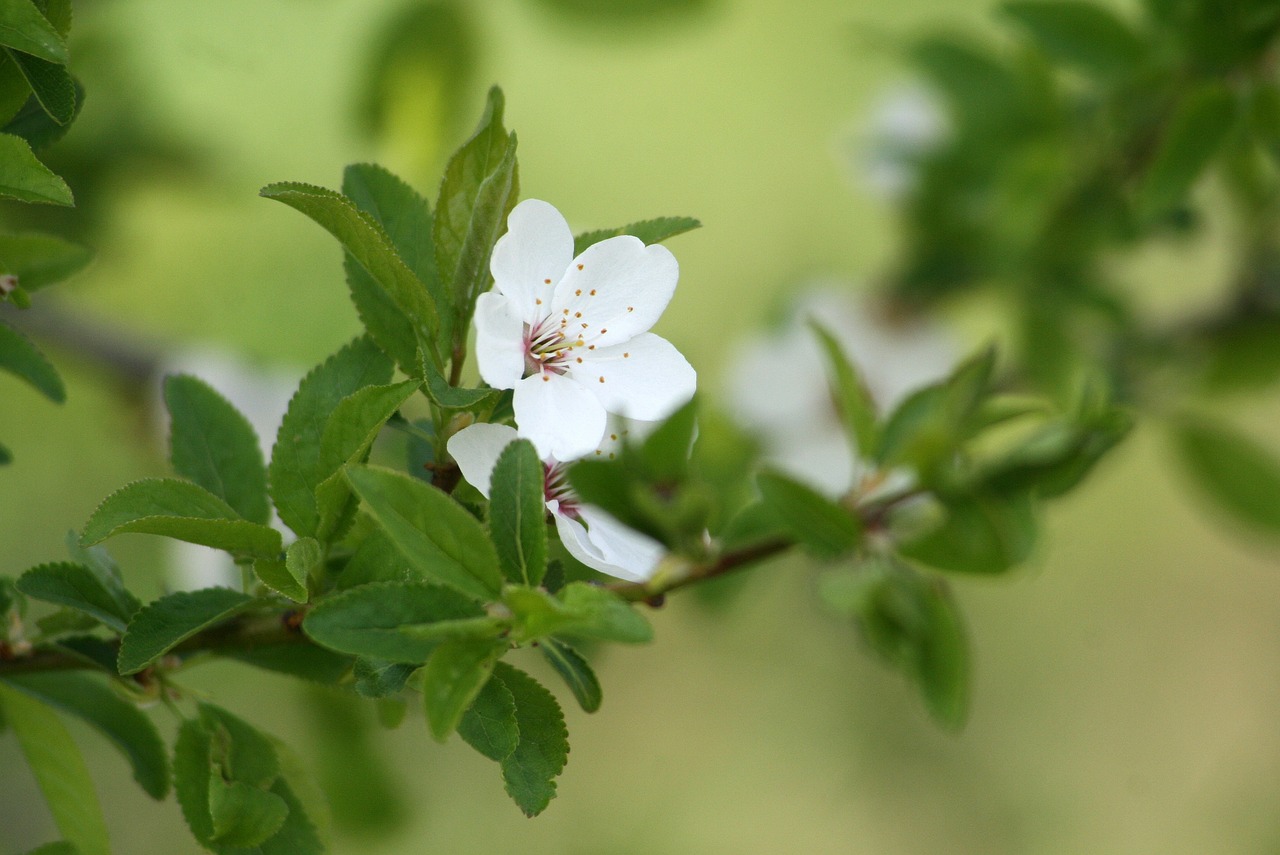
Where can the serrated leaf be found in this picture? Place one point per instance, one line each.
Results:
(214, 445)
(20, 357)
(245, 754)
(243, 816)
(1231, 470)
(296, 470)
(76, 586)
(579, 609)
(26, 179)
(367, 620)
(167, 622)
(530, 770)
(1199, 127)
(576, 673)
(857, 409)
(1083, 35)
(650, 231)
(14, 91)
(34, 124)
(453, 676)
(981, 534)
(25, 29)
(489, 724)
(51, 84)
(518, 513)
(436, 534)
(59, 770)
(192, 763)
(181, 510)
(277, 575)
(820, 525)
(39, 260)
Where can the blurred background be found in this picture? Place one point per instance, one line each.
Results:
(1127, 681)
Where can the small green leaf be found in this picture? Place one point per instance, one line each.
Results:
(181, 510)
(39, 260)
(823, 527)
(33, 123)
(1232, 471)
(489, 724)
(26, 179)
(377, 679)
(543, 749)
(453, 676)
(289, 577)
(119, 721)
(518, 513)
(579, 609)
(981, 534)
(575, 671)
(192, 764)
(245, 753)
(436, 534)
(25, 29)
(59, 770)
(51, 84)
(1082, 35)
(368, 620)
(162, 625)
(456, 397)
(1197, 130)
(857, 409)
(76, 586)
(650, 231)
(242, 815)
(19, 356)
(213, 444)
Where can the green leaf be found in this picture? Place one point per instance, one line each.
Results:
(1082, 35)
(213, 444)
(456, 397)
(479, 189)
(304, 661)
(51, 84)
(518, 513)
(278, 576)
(25, 29)
(579, 609)
(453, 676)
(377, 679)
(857, 409)
(368, 620)
(823, 527)
(192, 764)
(303, 559)
(242, 815)
(39, 260)
(76, 586)
(575, 671)
(1232, 471)
(371, 248)
(650, 231)
(981, 534)
(436, 534)
(181, 510)
(26, 179)
(19, 356)
(530, 770)
(59, 848)
(664, 453)
(119, 721)
(297, 469)
(32, 123)
(167, 622)
(1200, 126)
(244, 753)
(59, 770)
(489, 724)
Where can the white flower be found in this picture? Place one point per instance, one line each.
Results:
(588, 533)
(570, 335)
(778, 384)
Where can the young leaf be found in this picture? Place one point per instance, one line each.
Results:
(1088, 37)
(857, 410)
(19, 356)
(650, 231)
(489, 724)
(1202, 123)
(243, 816)
(26, 179)
(296, 469)
(76, 586)
(823, 527)
(368, 620)
(279, 576)
(39, 260)
(51, 84)
(181, 510)
(530, 770)
(518, 513)
(1232, 471)
(436, 534)
(579, 609)
(167, 622)
(59, 770)
(981, 534)
(25, 29)
(575, 671)
(119, 721)
(213, 444)
(453, 676)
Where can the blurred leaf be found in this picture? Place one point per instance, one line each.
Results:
(304, 661)
(119, 721)
(59, 770)
(26, 179)
(579, 609)
(167, 622)
(213, 444)
(1202, 123)
(820, 525)
(436, 534)
(981, 534)
(857, 409)
(31, 122)
(983, 91)
(575, 671)
(530, 770)
(378, 679)
(518, 513)
(59, 848)
(39, 260)
(51, 84)
(304, 791)
(19, 356)
(626, 16)
(181, 510)
(1244, 356)
(489, 724)
(76, 586)
(665, 452)
(14, 91)
(243, 816)
(453, 676)
(297, 470)
(1079, 34)
(24, 28)
(649, 231)
(1232, 471)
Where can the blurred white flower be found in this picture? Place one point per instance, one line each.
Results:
(570, 335)
(589, 534)
(778, 383)
(906, 124)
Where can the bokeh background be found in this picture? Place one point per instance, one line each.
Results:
(1127, 681)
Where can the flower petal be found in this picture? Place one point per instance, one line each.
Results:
(630, 555)
(532, 256)
(476, 449)
(645, 378)
(560, 416)
(499, 340)
(616, 289)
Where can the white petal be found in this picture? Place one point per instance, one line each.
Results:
(578, 543)
(645, 378)
(476, 448)
(533, 255)
(626, 553)
(499, 341)
(561, 417)
(616, 289)
(821, 459)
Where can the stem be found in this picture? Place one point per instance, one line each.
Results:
(641, 592)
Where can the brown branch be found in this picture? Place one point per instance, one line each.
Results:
(640, 592)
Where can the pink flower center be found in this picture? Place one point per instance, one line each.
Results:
(556, 488)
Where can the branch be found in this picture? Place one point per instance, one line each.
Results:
(653, 595)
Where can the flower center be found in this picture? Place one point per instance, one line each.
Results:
(556, 487)
(546, 348)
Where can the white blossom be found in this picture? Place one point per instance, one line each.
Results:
(570, 335)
